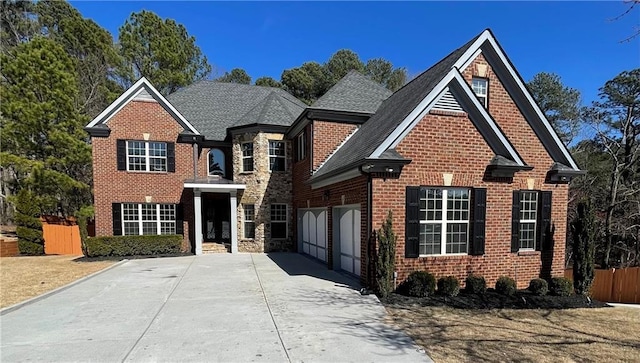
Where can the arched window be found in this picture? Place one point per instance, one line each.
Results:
(216, 163)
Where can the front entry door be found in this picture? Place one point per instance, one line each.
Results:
(216, 226)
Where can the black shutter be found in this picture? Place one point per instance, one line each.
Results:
(171, 157)
(515, 222)
(116, 214)
(179, 220)
(544, 219)
(412, 223)
(121, 147)
(479, 199)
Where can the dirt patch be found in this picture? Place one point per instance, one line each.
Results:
(25, 277)
(455, 334)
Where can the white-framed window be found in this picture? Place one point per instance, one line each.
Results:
(249, 221)
(480, 87)
(215, 163)
(444, 221)
(279, 221)
(146, 156)
(301, 146)
(148, 219)
(277, 155)
(528, 218)
(247, 156)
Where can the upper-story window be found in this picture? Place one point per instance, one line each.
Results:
(301, 146)
(444, 221)
(247, 156)
(146, 156)
(277, 155)
(480, 87)
(216, 163)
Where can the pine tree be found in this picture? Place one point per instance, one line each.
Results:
(583, 229)
(385, 265)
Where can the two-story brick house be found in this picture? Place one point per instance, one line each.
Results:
(473, 172)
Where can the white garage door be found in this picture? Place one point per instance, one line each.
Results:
(313, 232)
(350, 240)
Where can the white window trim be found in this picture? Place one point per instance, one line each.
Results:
(534, 221)
(253, 167)
(277, 156)
(140, 221)
(301, 151)
(147, 157)
(286, 221)
(244, 221)
(481, 96)
(444, 223)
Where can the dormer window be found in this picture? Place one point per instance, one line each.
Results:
(480, 87)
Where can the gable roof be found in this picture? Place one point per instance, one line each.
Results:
(354, 93)
(213, 107)
(142, 86)
(402, 110)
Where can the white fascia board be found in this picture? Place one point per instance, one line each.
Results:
(130, 94)
(474, 50)
(215, 187)
(414, 117)
(349, 174)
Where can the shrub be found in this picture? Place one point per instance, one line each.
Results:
(538, 287)
(448, 286)
(386, 257)
(561, 286)
(133, 245)
(506, 285)
(584, 231)
(419, 283)
(30, 248)
(475, 284)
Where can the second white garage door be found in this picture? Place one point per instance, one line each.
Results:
(349, 238)
(313, 232)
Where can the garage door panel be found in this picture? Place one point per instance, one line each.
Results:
(314, 233)
(322, 229)
(356, 234)
(346, 263)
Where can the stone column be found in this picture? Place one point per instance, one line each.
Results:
(234, 221)
(197, 211)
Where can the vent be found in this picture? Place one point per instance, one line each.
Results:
(447, 102)
(144, 96)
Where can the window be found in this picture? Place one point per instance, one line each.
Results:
(279, 221)
(480, 87)
(528, 218)
(249, 221)
(247, 156)
(148, 219)
(444, 221)
(146, 156)
(277, 155)
(216, 163)
(301, 147)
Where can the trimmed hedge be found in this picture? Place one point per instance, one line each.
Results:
(538, 287)
(506, 285)
(418, 284)
(30, 248)
(448, 286)
(133, 245)
(561, 286)
(475, 284)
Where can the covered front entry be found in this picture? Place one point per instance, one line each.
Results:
(312, 233)
(346, 234)
(215, 209)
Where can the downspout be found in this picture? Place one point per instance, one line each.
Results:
(371, 248)
(195, 161)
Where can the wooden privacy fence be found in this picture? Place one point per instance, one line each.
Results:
(61, 236)
(615, 285)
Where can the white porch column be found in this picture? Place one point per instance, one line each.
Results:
(234, 221)
(197, 210)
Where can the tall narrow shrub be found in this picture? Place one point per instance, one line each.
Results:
(29, 226)
(583, 230)
(386, 257)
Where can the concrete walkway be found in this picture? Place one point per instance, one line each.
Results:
(240, 308)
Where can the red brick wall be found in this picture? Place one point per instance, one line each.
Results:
(112, 185)
(327, 136)
(449, 144)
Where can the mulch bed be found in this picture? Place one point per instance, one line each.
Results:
(523, 299)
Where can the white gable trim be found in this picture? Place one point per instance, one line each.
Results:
(129, 95)
(427, 104)
(475, 50)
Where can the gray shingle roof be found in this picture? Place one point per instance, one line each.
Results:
(354, 92)
(390, 114)
(212, 107)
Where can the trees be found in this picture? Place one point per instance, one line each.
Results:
(560, 104)
(268, 82)
(237, 75)
(381, 71)
(584, 232)
(160, 50)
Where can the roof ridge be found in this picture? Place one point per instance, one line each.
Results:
(281, 101)
(267, 100)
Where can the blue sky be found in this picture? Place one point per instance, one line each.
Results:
(576, 40)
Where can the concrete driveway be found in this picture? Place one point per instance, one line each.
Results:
(240, 308)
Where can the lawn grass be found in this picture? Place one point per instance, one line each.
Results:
(536, 335)
(25, 277)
